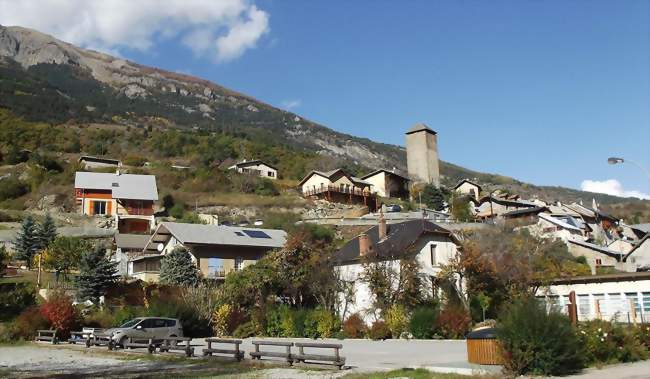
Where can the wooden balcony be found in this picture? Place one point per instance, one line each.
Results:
(344, 195)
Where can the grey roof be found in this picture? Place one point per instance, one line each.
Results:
(641, 227)
(131, 241)
(329, 174)
(598, 248)
(123, 186)
(419, 127)
(400, 237)
(200, 234)
(524, 211)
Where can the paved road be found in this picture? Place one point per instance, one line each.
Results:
(636, 370)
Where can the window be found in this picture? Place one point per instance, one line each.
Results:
(239, 263)
(256, 234)
(615, 306)
(434, 260)
(271, 174)
(584, 307)
(215, 267)
(148, 323)
(645, 300)
(600, 304)
(159, 323)
(599, 262)
(170, 323)
(632, 299)
(99, 207)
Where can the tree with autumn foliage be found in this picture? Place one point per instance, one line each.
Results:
(506, 263)
(61, 314)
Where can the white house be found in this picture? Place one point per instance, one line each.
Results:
(597, 256)
(215, 249)
(256, 167)
(431, 244)
(621, 297)
(638, 259)
(467, 187)
(565, 228)
(388, 183)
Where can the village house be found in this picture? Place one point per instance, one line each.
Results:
(624, 246)
(215, 249)
(431, 244)
(126, 197)
(257, 168)
(597, 256)
(622, 297)
(494, 206)
(565, 228)
(638, 259)
(388, 183)
(340, 187)
(126, 246)
(467, 187)
(89, 162)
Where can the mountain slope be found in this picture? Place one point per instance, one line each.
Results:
(45, 79)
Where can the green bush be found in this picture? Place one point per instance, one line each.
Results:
(423, 322)
(100, 318)
(320, 323)
(274, 321)
(536, 342)
(11, 188)
(266, 187)
(397, 320)
(354, 326)
(379, 331)
(194, 325)
(642, 334)
(14, 298)
(245, 330)
(605, 342)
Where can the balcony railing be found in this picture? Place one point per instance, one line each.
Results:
(339, 189)
(137, 211)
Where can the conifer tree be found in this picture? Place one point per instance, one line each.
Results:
(27, 243)
(178, 269)
(46, 232)
(96, 274)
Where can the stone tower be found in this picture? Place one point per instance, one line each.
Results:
(422, 155)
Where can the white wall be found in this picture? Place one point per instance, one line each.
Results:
(445, 250)
(614, 298)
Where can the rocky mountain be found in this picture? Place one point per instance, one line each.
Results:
(45, 79)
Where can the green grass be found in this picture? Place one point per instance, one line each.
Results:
(30, 277)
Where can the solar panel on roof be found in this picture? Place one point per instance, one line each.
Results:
(239, 234)
(256, 234)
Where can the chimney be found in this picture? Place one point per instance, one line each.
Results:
(382, 226)
(364, 244)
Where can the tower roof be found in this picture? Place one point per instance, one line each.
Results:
(420, 127)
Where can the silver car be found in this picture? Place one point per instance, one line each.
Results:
(145, 328)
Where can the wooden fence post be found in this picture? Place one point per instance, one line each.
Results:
(573, 308)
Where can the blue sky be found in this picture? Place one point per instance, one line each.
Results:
(543, 91)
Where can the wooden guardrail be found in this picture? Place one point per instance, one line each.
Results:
(172, 343)
(236, 352)
(100, 339)
(258, 354)
(140, 343)
(46, 335)
(335, 359)
(77, 337)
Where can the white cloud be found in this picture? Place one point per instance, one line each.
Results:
(611, 187)
(221, 29)
(290, 104)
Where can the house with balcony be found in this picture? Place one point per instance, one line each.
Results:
(388, 183)
(256, 168)
(128, 198)
(215, 249)
(338, 186)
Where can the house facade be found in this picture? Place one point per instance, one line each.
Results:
(623, 297)
(388, 183)
(126, 246)
(257, 168)
(638, 259)
(215, 249)
(340, 187)
(467, 187)
(126, 197)
(431, 245)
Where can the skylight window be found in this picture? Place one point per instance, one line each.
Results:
(239, 234)
(256, 234)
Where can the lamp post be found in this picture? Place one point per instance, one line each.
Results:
(617, 160)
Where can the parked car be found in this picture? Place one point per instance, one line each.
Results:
(393, 208)
(146, 327)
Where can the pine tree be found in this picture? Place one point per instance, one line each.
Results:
(434, 197)
(27, 242)
(46, 232)
(178, 269)
(96, 274)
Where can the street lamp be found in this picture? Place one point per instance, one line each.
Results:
(617, 160)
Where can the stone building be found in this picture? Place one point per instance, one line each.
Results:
(422, 155)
